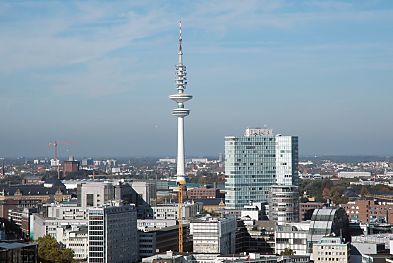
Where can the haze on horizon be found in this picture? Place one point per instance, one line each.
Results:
(100, 73)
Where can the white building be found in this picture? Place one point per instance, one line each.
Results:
(284, 203)
(113, 235)
(146, 189)
(41, 226)
(292, 236)
(331, 249)
(95, 194)
(354, 175)
(213, 235)
(170, 211)
(66, 211)
(75, 238)
(155, 223)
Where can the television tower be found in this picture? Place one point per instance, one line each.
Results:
(180, 112)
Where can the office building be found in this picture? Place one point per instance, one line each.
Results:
(41, 226)
(284, 203)
(331, 249)
(113, 235)
(256, 161)
(21, 217)
(213, 235)
(292, 236)
(160, 240)
(146, 190)
(95, 194)
(287, 159)
(203, 192)
(75, 238)
(170, 211)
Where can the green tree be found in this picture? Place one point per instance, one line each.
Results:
(49, 251)
(287, 252)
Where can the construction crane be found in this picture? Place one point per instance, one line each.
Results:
(180, 213)
(55, 146)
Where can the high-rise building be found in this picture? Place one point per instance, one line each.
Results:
(256, 161)
(113, 235)
(284, 203)
(287, 159)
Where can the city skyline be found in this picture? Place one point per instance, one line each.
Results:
(100, 74)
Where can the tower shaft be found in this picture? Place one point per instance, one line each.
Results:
(180, 146)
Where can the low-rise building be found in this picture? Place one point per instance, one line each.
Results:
(350, 175)
(170, 211)
(203, 192)
(331, 249)
(213, 235)
(15, 252)
(75, 238)
(369, 211)
(292, 236)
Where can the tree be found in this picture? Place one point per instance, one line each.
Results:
(49, 251)
(364, 191)
(287, 252)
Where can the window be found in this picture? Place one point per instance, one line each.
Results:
(89, 200)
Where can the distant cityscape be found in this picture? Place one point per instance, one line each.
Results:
(257, 201)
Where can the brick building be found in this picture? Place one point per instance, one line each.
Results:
(306, 209)
(203, 192)
(369, 211)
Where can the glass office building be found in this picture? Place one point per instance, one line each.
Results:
(251, 164)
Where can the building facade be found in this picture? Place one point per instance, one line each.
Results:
(292, 236)
(113, 235)
(327, 221)
(369, 211)
(287, 159)
(256, 161)
(284, 203)
(202, 193)
(213, 235)
(331, 249)
(74, 238)
(170, 211)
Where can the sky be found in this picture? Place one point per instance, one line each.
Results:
(100, 73)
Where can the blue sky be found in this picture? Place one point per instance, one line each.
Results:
(100, 72)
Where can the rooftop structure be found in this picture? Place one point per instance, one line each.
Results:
(327, 221)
